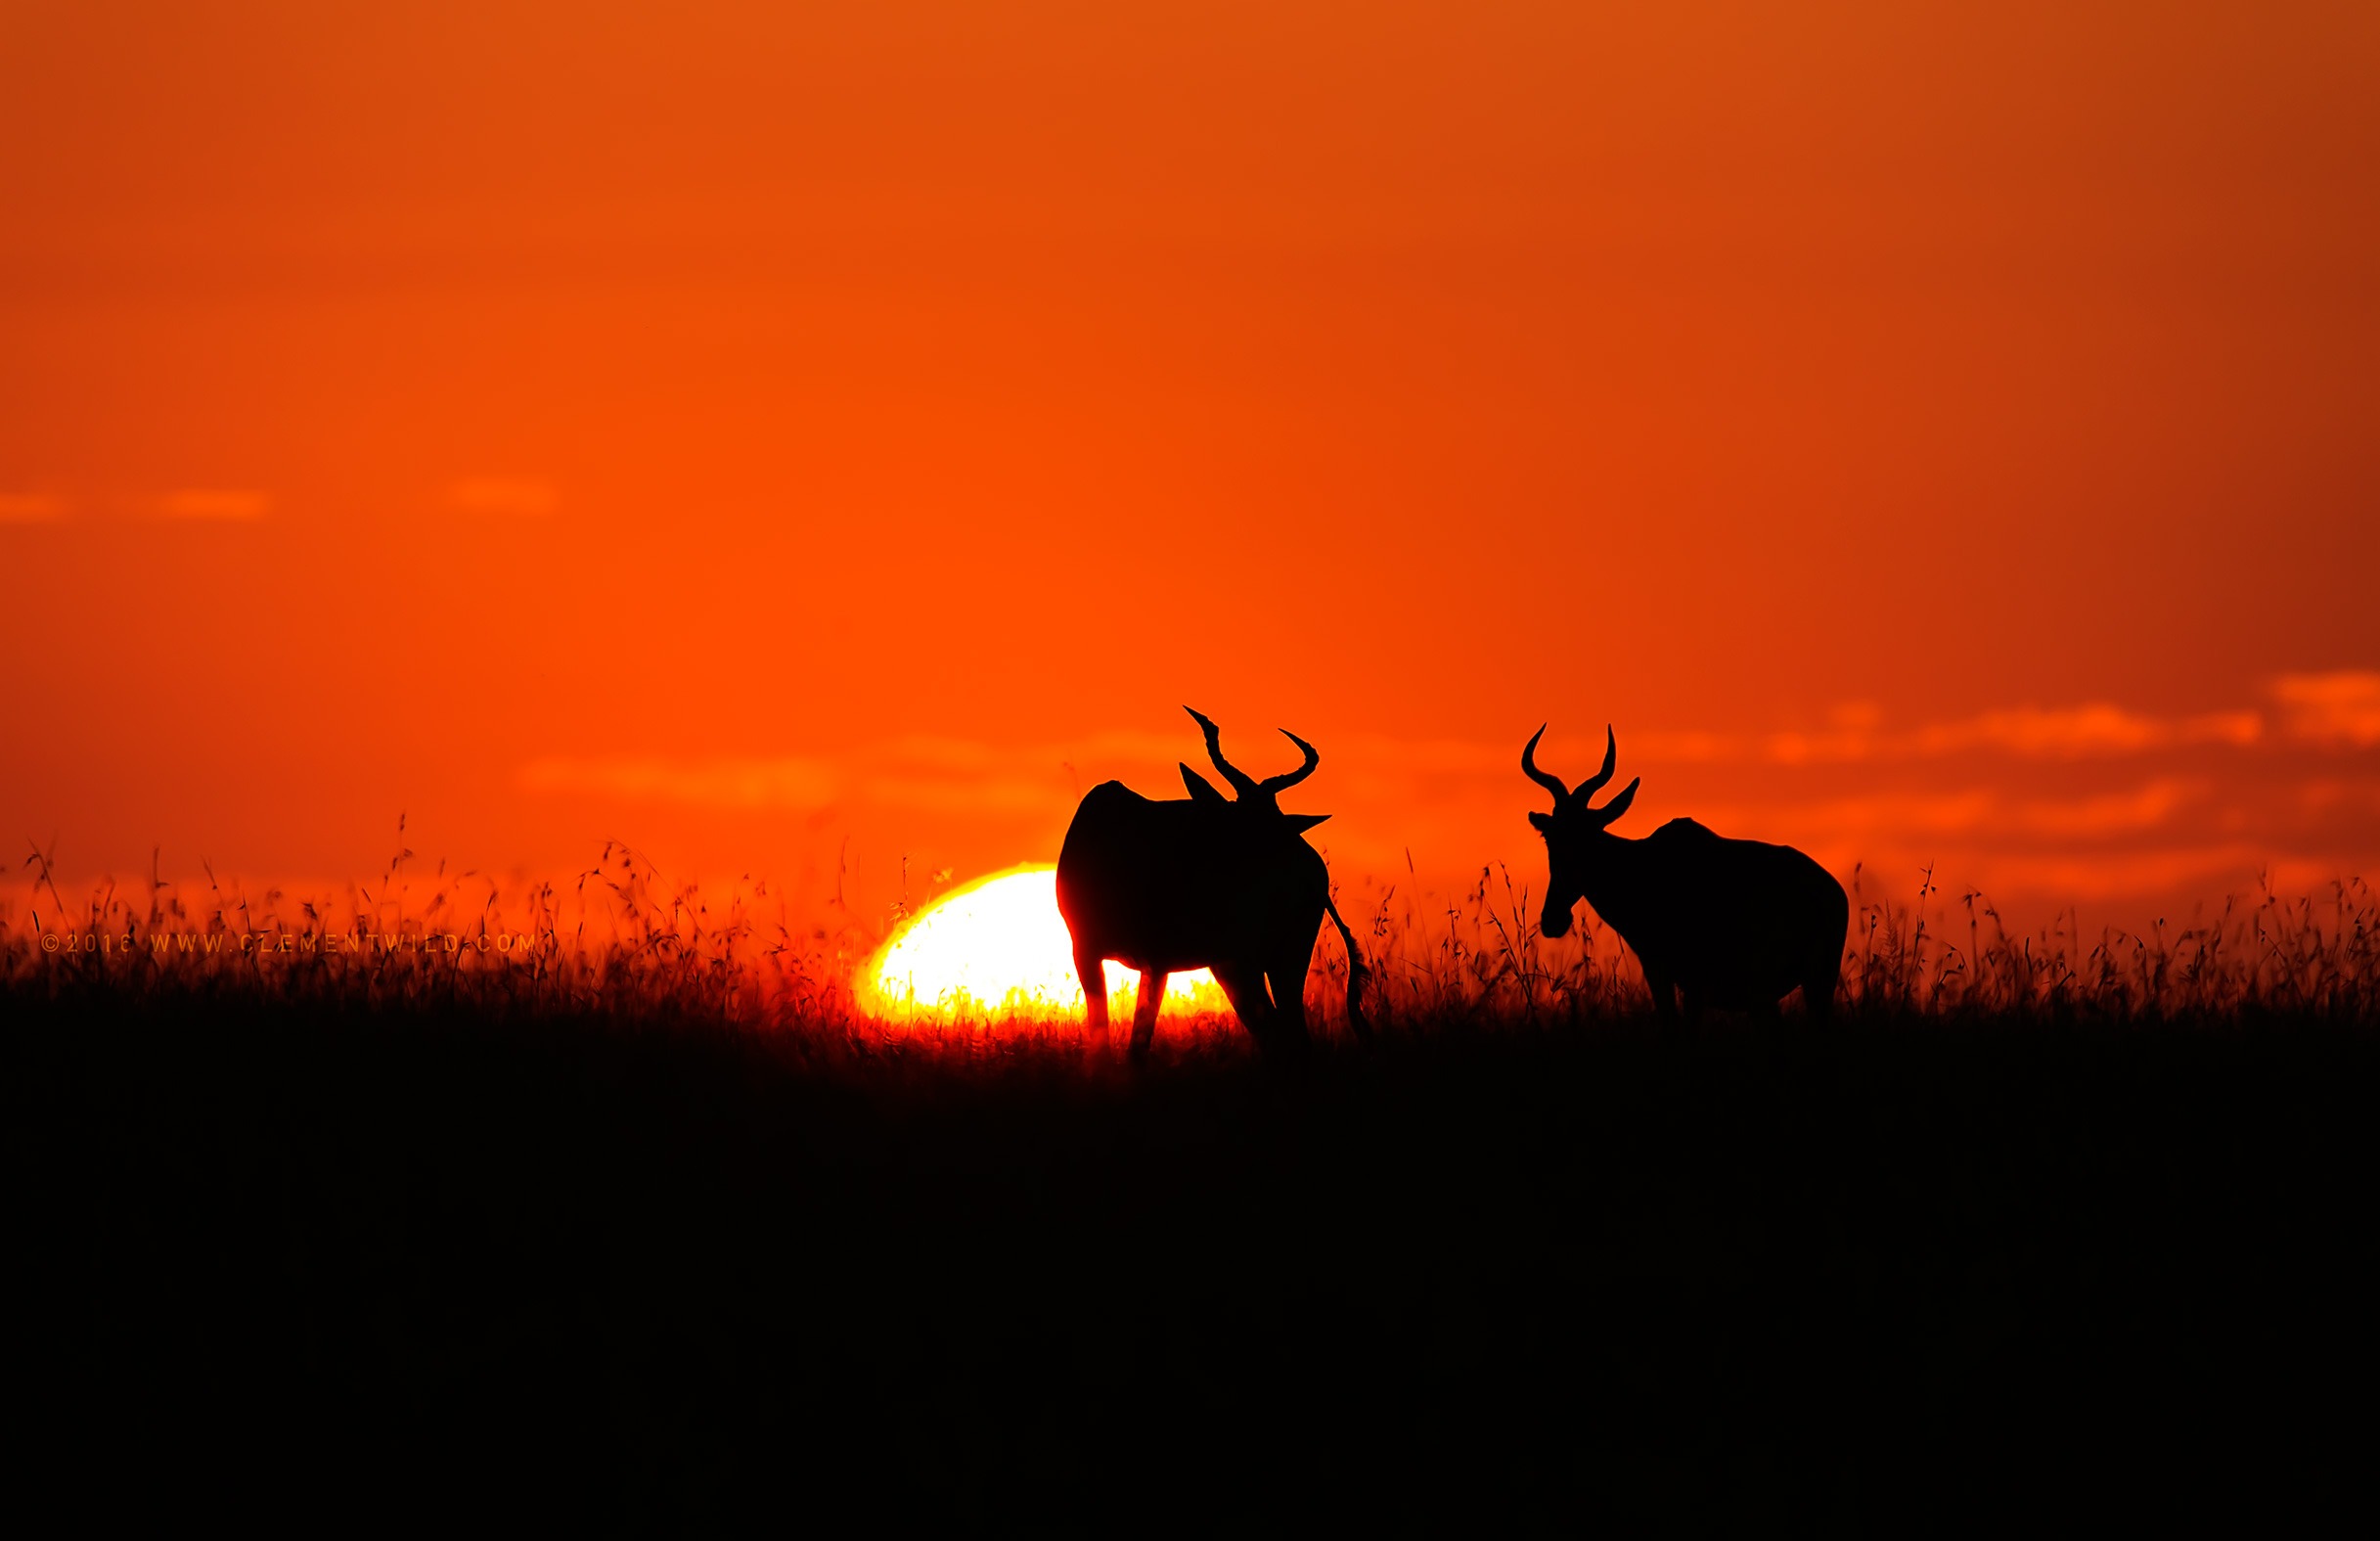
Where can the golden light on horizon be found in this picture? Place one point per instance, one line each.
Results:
(997, 946)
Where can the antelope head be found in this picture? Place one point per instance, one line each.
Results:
(1257, 796)
(1575, 831)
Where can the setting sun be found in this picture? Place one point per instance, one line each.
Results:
(998, 946)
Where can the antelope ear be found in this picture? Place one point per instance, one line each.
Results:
(1200, 789)
(1540, 822)
(1610, 813)
(1300, 823)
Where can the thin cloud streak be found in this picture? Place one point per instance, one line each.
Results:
(1857, 735)
(2100, 878)
(2336, 708)
(1971, 811)
(950, 775)
(223, 505)
(2094, 728)
(2042, 825)
(791, 782)
(516, 497)
(32, 507)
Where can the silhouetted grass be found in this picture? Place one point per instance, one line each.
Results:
(652, 1227)
(619, 942)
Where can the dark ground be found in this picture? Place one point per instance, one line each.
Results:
(337, 1267)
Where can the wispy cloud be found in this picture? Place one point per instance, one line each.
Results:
(2131, 875)
(1976, 811)
(946, 774)
(2045, 823)
(790, 782)
(1856, 732)
(517, 497)
(32, 507)
(221, 504)
(2325, 796)
(2340, 707)
(2095, 727)
(2117, 813)
(938, 775)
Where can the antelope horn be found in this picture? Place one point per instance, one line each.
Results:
(1241, 781)
(1528, 765)
(1288, 778)
(1611, 757)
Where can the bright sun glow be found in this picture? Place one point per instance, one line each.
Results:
(998, 947)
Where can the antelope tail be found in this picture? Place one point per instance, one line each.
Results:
(1357, 974)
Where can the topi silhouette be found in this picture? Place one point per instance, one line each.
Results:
(1730, 924)
(1210, 883)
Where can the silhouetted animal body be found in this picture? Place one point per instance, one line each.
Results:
(1732, 924)
(1208, 882)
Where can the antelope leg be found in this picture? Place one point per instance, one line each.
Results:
(1145, 1010)
(1092, 969)
(1244, 987)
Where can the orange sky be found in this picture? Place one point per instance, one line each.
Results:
(1927, 433)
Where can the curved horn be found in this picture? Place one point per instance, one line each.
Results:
(1611, 757)
(1528, 765)
(1241, 781)
(1289, 779)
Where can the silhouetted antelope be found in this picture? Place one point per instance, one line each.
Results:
(1203, 884)
(1732, 924)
